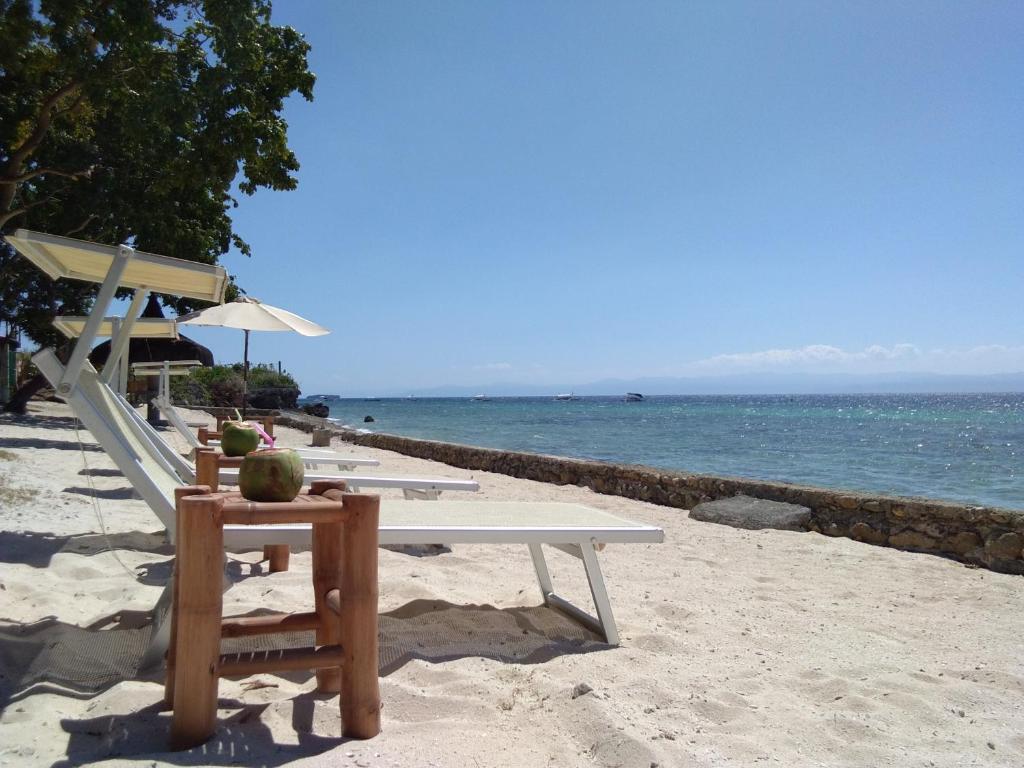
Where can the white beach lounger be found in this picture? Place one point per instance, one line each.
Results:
(572, 528)
(569, 527)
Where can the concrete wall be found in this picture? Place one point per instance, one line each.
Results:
(986, 536)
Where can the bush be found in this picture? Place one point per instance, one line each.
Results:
(186, 390)
(260, 378)
(221, 385)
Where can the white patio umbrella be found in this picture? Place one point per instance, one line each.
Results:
(249, 314)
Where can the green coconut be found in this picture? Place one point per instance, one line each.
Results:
(238, 438)
(273, 474)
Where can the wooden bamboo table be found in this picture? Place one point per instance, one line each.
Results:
(344, 616)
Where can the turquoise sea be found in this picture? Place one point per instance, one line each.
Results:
(962, 447)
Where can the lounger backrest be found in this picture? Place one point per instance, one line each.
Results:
(152, 477)
(171, 414)
(154, 441)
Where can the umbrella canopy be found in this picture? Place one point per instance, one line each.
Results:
(249, 314)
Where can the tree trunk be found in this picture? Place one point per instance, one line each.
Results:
(19, 400)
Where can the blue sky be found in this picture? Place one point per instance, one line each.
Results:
(556, 193)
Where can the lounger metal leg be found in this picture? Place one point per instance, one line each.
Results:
(160, 639)
(604, 624)
(599, 593)
(540, 565)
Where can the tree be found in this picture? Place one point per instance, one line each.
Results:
(134, 121)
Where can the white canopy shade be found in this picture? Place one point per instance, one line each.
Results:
(81, 260)
(249, 314)
(143, 328)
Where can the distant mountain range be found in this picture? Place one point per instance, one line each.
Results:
(750, 384)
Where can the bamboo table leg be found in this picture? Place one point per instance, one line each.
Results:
(360, 691)
(199, 603)
(327, 576)
(179, 493)
(278, 555)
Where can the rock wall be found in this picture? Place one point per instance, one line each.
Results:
(986, 536)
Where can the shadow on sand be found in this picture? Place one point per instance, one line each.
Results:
(35, 421)
(82, 662)
(36, 549)
(38, 442)
(111, 494)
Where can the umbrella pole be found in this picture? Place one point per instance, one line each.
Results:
(245, 375)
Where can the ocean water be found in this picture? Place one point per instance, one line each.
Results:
(963, 447)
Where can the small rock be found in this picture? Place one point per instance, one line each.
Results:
(581, 689)
(368, 419)
(753, 514)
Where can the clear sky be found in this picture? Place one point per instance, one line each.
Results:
(554, 193)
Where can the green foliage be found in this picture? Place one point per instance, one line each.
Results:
(222, 384)
(260, 377)
(130, 121)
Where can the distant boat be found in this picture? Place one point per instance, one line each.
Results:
(480, 398)
(566, 396)
(633, 397)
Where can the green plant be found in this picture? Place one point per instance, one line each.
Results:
(269, 377)
(222, 384)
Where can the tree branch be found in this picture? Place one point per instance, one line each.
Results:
(83, 174)
(8, 215)
(81, 226)
(34, 139)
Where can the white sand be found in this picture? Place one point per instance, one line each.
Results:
(738, 647)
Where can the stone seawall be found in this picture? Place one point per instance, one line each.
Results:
(985, 536)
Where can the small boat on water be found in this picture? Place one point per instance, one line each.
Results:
(633, 397)
(480, 398)
(567, 396)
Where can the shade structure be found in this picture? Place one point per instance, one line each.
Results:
(162, 345)
(66, 257)
(113, 267)
(143, 328)
(249, 314)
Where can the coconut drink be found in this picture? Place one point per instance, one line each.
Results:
(273, 474)
(238, 438)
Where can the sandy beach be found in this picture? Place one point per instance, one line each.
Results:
(738, 647)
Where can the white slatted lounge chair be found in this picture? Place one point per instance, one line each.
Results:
(570, 527)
